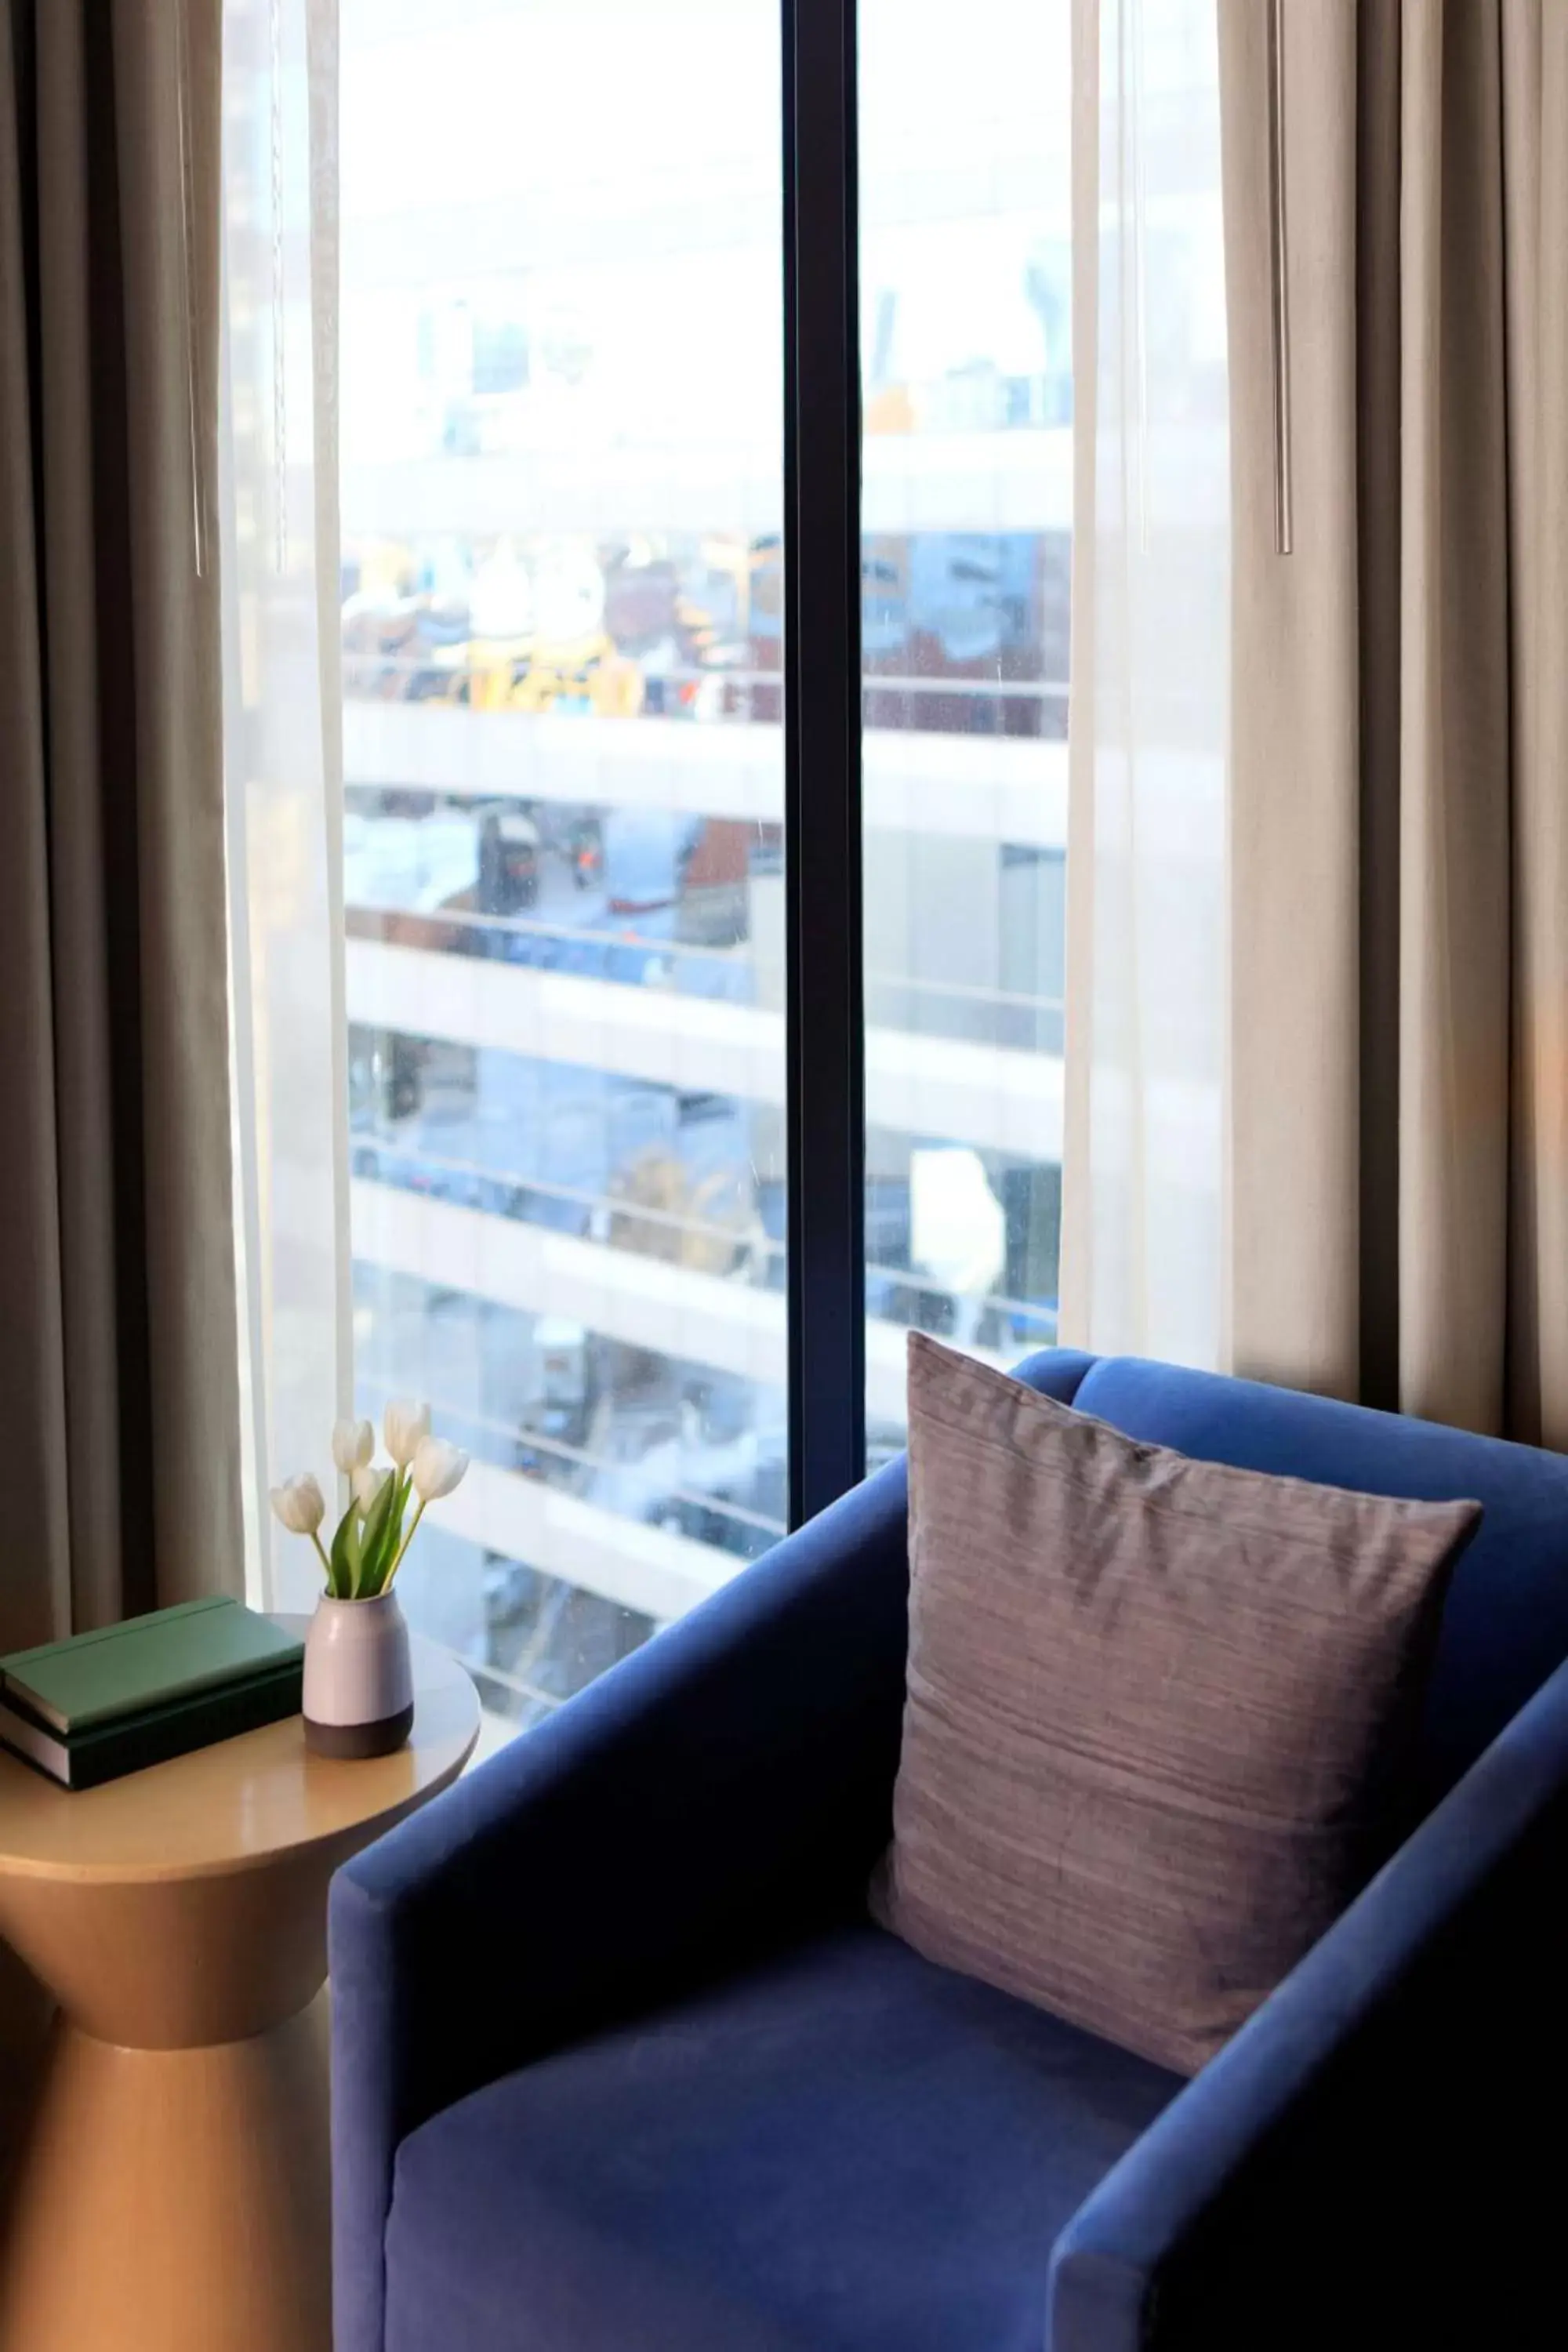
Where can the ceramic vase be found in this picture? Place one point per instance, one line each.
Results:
(359, 1678)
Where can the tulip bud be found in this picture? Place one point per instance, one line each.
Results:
(438, 1467)
(353, 1442)
(300, 1504)
(404, 1426)
(367, 1485)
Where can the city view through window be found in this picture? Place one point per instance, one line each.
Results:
(562, 514)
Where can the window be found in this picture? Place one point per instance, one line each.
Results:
(561, 482)
(592, 621)
(965, 263)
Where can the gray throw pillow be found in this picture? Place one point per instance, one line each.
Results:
(1157, 1711)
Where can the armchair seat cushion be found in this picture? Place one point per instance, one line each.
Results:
(845, 2149)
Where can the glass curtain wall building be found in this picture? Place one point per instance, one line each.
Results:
(563, 610)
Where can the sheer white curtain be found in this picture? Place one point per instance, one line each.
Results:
(283, 749)
(1144, 1152)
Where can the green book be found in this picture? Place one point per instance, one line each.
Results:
(146, 1662)
(84, 1758)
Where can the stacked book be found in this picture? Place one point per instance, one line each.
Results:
(109, 1702)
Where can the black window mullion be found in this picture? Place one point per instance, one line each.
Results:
(822, 757)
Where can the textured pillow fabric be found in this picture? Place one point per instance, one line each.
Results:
(1157, 1711)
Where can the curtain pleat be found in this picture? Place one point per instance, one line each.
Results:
(1143, 1156)
(119, 1485)
(1454, 734)
(277, 517)
(1295, 825)
(1398, 902)
(35, 1594)
(1535, 216)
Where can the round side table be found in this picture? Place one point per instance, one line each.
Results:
(173, 2193)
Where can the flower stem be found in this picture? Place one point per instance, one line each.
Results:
(412, 1531)
(321, 1556)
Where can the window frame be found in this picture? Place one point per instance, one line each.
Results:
(825, 1094)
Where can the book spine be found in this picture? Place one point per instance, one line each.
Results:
(220, 1715)
(29, 1739)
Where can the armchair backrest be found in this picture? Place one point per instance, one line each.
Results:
(1505, 1627)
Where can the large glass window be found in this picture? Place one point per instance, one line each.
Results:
(965, 302)
(543, 257)
(561, 497)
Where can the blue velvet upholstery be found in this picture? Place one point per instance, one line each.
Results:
(755, 2166)
(617, 2062)
(1505, 1627)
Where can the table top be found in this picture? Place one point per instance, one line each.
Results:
(240, 1802)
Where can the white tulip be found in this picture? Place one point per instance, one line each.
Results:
(404, 1427)
(367, 1485)
(353, 1442)
(300, 1505)
(437, 1468)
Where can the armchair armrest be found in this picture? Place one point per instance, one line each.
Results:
(723, 1789)
(1348, 2169)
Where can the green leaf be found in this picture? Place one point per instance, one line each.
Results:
(384, 1519)
(392, 1543)
(345, 1562)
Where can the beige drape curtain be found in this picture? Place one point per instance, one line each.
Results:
(119, 1485)
(1144, 1157)
(1398, 1226)
(279, 529)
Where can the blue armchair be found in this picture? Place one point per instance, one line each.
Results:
(620, 2065)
